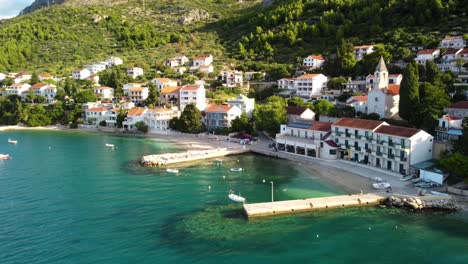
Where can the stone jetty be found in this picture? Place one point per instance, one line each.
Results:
(433, 202)
(312, 204)
(161, 160)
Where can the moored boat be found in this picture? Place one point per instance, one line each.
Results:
(381, 185)
(416, 180)
(4, 157)
(12, 141)
(236, 198)
(110, 145)
(236, 169)
(172, 170)
(377, 179)
(423, 185)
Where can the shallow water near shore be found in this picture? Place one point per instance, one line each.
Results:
(66, 198)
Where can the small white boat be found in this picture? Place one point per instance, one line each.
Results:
(4, 157)
(236, 198)
(12, 141)
(439, 193)
(381, 185)
(110, 145)
(416, 180)
(236, 169)
(377, 179)
(172, 170)
(406, 178)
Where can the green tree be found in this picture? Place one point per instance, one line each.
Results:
(153, 95)
(409, 92)
(322, 107)
(142, 127)
(456, 164)
(85, 96)
(120, 118)
(241, 124)
(190, 120)
(345, 57)
(34, 78)
(269, 116)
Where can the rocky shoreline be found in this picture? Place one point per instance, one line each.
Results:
(424, 203)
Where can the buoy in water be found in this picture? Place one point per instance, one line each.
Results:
(370, 228)
(263, 180)
(317, 235)
(209, 187)
(224, 176)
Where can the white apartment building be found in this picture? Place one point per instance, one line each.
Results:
(158, 119)
(45, 76)
(360, 51)
(96, 67)
(138, 95)
(170, 95)
(50, 92)
(95, 115)
(195, 94)
(134, 72)
(313, 62)
(126, 87)
(113, 61)
(305, 85)
(134, 116)
(81, 74)
(245, 104)
(221, 116)
(203, 60)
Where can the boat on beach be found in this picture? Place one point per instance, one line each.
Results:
(439, 193)
(172, 170)
(377, 179)
(381, 185)
(110, 145)
(12, 141)
(4, 157)
(423, 185)
(406, 178)
(236, 198)
(416, 180)
(236, 169)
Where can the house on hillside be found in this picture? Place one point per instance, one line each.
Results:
(126, 87)
(158, 119)
(452, 42)
(295, 113)
(384, 98)
(426, 55)
(360, 51)
(104, 92)
(113, 61)
(96, 115)
(17, 88)
(134, 72)
(170, 95)
(458, 109)
(245, 104)
(134, 116)
(449, 128)
(81, 74)
(304, 86)
(161, 83)
(138, 95)
(221, 116)
(313, 62)
(231, 78)
(203, 60)
(22, 77)
(45, 76)
(358, 102)
(171, 62)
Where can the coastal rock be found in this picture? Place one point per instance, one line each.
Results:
(194, 15)
(418, 204)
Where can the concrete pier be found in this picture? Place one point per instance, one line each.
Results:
(162, 160)
(312, 204)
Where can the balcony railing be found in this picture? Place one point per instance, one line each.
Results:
(358, 148)
(380, 142)
(403, 158)
(368, 150)
(348, 134)
(379, 154)
(391, 144)
(391, 156)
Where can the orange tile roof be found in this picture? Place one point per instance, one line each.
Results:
(320, 126)
(51, 88)
(190, 87)
(160, 110)
(358, 123)
(136, 111)
(202, 56)
(78, 70)
(105, 88)
(361, 98)
(451, 118)
(164, 80)
(38, 85)
(362, 47)
(464, 51)
(317, 57)
(137, 89)
(97, 109)
(452, 37)
(17, 84)
(205, 66)
(426, 51)
(218, 108)
(310, 75)
(398, 131)
(393, 89)
(170, 89)
(45, 75)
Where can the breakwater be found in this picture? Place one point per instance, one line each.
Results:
(161, 160)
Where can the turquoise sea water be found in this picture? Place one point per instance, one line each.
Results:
(66, 198)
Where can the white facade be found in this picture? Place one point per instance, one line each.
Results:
(287, 83)
(244, 103)
(134, 72)
(158, 119)
(17, 88)
(313, 61)
(427, 55)
(454, 42)
(22, 77)
(134, 116)
(81, 74)
(171, 62)
(95, 115)
(231, 78)
(104, 92)
(458, 109)
(161, 83)
(126, 87)
(359, 103)
(45, 76)
(138, 95)
(360, 51)
(96, 67)
(195, 94)
(250, 75)
(203, 60)
(206, 68)
(2, 76)
(50, 93)
(113, 61)
(305, 85)
(221, 116)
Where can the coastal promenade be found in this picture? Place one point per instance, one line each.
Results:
(165, 159)
(312, 204)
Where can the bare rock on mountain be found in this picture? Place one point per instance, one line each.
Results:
(193, 16)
